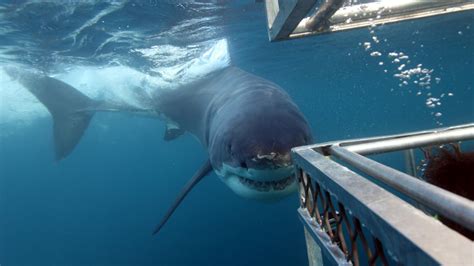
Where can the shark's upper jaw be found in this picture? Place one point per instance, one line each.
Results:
(261, 184)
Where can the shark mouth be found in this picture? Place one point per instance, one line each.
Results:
(261, 184)
(265, 186)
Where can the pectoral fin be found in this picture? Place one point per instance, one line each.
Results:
(198, 176)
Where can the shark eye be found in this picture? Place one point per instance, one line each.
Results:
(243, 164)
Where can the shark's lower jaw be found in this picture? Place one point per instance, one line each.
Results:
(265, 185)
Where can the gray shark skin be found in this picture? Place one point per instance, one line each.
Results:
(247, 124)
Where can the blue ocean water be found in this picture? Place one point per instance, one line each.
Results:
(100, 205)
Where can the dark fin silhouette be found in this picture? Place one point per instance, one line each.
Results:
(172, 131)
(71, 110)
(68, 130)
(198, 176)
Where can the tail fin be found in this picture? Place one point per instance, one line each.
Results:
(71, 110)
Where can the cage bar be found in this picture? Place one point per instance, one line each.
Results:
(342, 210)
(298, 18)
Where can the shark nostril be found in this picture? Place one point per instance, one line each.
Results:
(243, 164)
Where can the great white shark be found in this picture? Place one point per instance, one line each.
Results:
(247, 124)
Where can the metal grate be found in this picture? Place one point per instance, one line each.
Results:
(355, 221)
(333, 222)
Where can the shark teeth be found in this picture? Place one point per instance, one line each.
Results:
(267, 185)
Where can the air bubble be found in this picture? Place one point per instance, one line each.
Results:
(367, 45)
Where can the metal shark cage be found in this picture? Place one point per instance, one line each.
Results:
(354, 220)
(288, 19)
